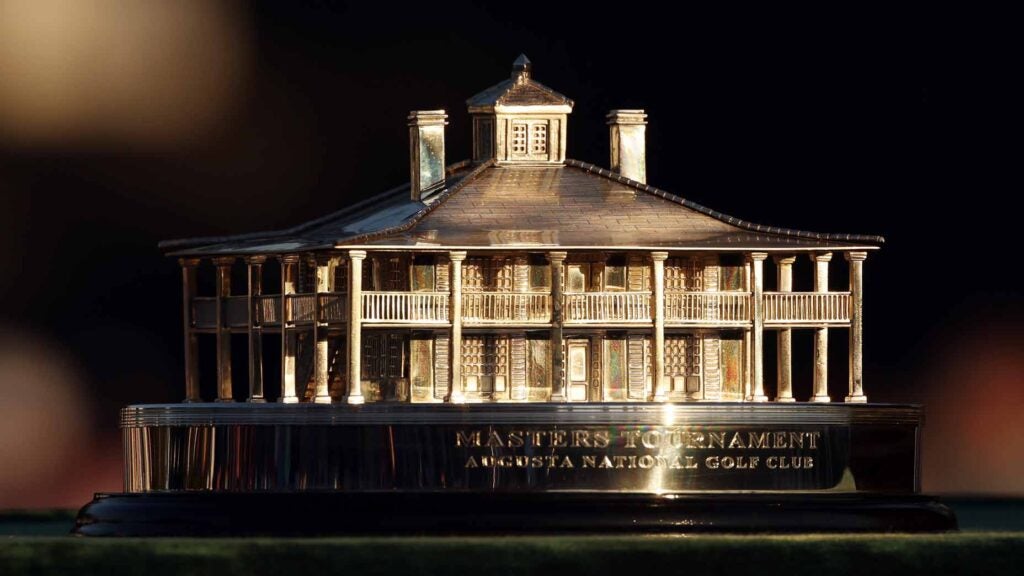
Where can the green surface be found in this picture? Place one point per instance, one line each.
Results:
(963, 553)
(992, 543)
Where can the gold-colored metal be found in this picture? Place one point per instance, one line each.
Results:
(757, 333)
(189, 292)
(426, 151)
(627, 134)
(784, 392)
(355, 329)
(224, 392)
(821, 261)
(658, 262)
(455, 394)
(524, 277)
(856, 393)
(255, 277)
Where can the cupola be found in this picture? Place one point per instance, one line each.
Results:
(519, 120)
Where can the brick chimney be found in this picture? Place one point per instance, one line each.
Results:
(426, 151)
(627, 131)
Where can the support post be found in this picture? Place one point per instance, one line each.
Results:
(784, 392)
(821, 261)
(223, 265)
(748, 356)
(289, 339)
(660, 394)
(856, 393)
(255, 277)
(557, 260)
(455, 393)
(320, 352)
(355, 327)
(757, 334)
(188, 293)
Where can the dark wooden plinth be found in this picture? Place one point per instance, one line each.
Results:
(310, 514)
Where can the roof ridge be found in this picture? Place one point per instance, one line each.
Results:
(732, 220)
(177, 243)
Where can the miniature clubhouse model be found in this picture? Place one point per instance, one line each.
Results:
(517, 342)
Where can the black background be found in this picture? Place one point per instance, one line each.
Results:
(902, 124)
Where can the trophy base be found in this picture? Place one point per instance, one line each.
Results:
(407, 513)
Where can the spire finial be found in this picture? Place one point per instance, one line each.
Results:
(521, 67)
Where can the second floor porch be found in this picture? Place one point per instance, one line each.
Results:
(721, 309)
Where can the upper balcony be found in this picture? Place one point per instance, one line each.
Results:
(682, 309)
(798, 309)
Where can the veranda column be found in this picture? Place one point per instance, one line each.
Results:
(289, 339)
(821, 261)
(223, 333)
(748, 356)
(785, 336)
(320, 359)
(355, 327)
(255, 277)
(188, 293)
(455, 394)
(557, 260)
(658, 261)
(856, 260)
(757, 336)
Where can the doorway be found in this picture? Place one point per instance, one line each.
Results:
(577, 372)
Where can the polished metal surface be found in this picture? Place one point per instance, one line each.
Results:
(602, 413)
(662, 448)
(522, 322)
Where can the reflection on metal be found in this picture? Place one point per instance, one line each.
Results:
(708, 308)
(506, 308)
(610, 307)
(521, 322)
(505, 447)
(521, 276)
(408, 307)
(794, 308)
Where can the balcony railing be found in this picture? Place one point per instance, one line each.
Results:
(333, 307)
(236, 311)
(506, 307)
(301, 308)
(695, 309)
(410, 307)
(681, 308)
(204, 312)
(806, 307)
(714, 308)
(600, 307)
(268, 310)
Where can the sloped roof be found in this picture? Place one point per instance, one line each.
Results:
(519, 90)
(578, 205)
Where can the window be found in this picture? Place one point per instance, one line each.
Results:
(615, 273)
(519, 139)
(540, 274)
(530, 140)
(684, 274)
(577, 278)
(539, 139)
